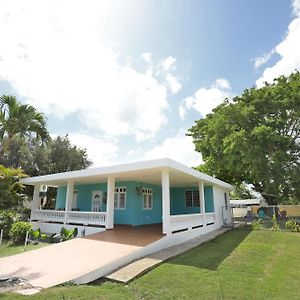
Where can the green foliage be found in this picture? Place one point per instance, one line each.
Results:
(20, 119)
(36, 158)
(24, 214)
(275, 226)
(7, 218)
(241, 192)
(256, 225)
(18, 231)
(68, 234)
(254, 140)
(11, 189)
(292, 225)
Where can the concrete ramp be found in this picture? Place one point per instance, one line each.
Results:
(80, 260)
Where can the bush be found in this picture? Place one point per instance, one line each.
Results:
(7, 218)
(256, 225)
(292, 225)
(68, 234)
(18, 231)
(25, 214)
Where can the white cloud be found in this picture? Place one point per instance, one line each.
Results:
(179, 148)
(169, 63)
(173, 83)
(57, 56)
(101, 151)
(205, 99)
(263, 59)
(288, 50)
(147, 57)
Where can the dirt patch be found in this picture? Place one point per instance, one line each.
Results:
(17, 285)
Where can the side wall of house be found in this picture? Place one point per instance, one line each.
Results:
(222, 214)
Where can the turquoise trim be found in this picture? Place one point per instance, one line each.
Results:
(209, 199)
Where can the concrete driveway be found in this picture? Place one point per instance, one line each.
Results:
(63, 262)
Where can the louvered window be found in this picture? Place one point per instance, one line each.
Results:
(192, 199)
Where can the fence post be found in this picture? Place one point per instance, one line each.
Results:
(26, 239)
(1, 236)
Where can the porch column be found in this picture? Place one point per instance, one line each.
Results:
(36, 200)
(69, 199)
(165, 183)
(110, 206)
(202, 201)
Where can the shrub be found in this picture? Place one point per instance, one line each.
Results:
(68, 234)
(7, 218)
(256, 225)
(292, 225)
(18, 231)
(25, 214)
(275, 226)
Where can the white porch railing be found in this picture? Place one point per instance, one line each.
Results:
(78, 217)
(186, 221)
(48, 215)
(210, 218)
(86, 217)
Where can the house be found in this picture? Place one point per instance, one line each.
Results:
(186, 203)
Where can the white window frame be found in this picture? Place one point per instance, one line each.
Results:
(193, 200)
(148, 196)
(118, 191)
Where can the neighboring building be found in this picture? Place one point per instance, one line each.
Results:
(161, 191)
(248, 202)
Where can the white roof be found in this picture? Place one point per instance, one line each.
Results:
(145, 171)
(245, 201)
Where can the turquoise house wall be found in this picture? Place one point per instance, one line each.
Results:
(178, 200)
(134, 214)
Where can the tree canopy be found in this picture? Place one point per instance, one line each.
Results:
(255, 139)
(11, 189)
(20, 119)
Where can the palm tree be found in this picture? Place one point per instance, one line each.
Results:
(21, 119)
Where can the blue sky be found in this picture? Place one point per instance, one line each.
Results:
(126, 79)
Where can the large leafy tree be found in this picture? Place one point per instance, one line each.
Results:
(20, 119)
(35, 158)
(256, 139)
(11, 189)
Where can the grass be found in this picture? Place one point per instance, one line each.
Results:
(8, 248)
(240, 264)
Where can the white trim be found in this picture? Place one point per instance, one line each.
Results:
(157, 164)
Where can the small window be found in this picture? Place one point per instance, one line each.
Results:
(147, 199)
(120, 198)
(226, 200)
(192, 199)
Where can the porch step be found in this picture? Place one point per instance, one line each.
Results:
(143, 265)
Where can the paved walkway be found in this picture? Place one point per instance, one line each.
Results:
(63, 262)
(143, 265)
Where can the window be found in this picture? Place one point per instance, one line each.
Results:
(120, 198)
(226, 200)
(147, 199)
(192, 199)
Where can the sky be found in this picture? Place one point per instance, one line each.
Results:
(127, 79)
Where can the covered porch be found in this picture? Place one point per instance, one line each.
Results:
(179, 200)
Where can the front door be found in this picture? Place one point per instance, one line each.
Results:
(97, 198)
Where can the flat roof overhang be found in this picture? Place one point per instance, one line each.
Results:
(145, 171)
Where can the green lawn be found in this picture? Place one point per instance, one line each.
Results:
(9, 249)
(240, 264)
